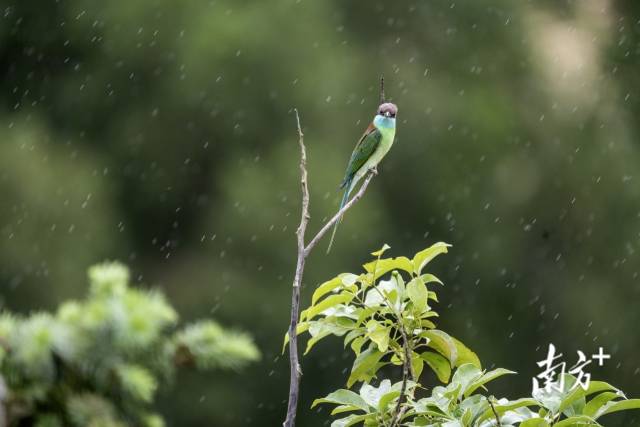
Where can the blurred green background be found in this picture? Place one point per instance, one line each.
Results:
(161, 133)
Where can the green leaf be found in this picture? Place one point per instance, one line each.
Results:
(399, 283)
(430, 278)
(418, 294)
(534, 422)
(325, 288)
(323, 333)
(442, 343)
(372, 395)
(570, 396)
(573, 404)
(348, 421)
(365, 313)
(465, 375)
(351, 335)
(465, 355)
(363, 365)
(422, 258)
(592, 407)
(328, 326)
(344, 408)
(485, 378)
(579, 392)
(379, 334)
(356, 344)
(466, 417)
(427, 324)
(386, 399)
(381, 251)
(502, 408)
(438, 364)
(578, 421)
(621, 405)
(384, 293)
(343, 397)
(396, 359)
(385, 265)
(326, 303)
(598, 386)
(417, 364)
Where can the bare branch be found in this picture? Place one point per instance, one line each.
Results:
(294, 364)
(340, 213)
(303, 252)
(4, 413)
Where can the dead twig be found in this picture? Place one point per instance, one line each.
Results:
(303, 253)
(295, 371)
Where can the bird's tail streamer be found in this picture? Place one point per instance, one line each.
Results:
(345, 198)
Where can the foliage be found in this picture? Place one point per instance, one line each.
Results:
(100, 361)
(390, 322)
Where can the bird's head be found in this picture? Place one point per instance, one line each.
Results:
(388, 110)
(386, 116)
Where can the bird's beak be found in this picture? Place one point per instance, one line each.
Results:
(387, 114)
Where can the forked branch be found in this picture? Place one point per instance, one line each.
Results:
(303, 253)
(329, 225)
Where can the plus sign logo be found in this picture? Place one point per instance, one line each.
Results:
(600, 357)
(553, 375)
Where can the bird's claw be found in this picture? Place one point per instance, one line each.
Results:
(373, 171)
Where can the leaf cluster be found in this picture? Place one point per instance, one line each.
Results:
(101, 361)
(385, 317)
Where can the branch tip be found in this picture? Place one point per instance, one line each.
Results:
(295, 110)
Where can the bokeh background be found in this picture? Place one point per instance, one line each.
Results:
(161, 133)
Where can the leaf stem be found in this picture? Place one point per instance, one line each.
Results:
(406, 370)
(495, 413)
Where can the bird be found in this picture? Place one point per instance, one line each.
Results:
(374, 144)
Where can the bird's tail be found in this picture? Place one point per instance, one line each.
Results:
(345, 198)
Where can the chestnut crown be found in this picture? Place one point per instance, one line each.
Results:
(388, 110)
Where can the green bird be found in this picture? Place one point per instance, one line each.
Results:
(370, 150)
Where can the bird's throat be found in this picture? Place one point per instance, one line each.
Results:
(382, 122)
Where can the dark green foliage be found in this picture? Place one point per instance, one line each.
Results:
(99, 361)
(389, 322)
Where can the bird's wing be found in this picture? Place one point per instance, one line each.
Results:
(364, 149)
